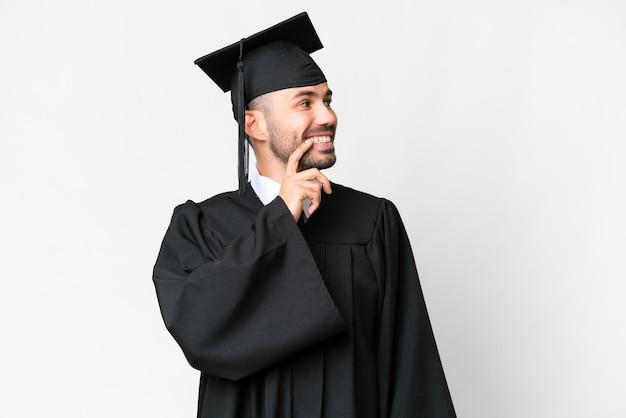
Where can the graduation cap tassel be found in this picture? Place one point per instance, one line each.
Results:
(242, 143)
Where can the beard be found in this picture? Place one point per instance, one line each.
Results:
(283, 143)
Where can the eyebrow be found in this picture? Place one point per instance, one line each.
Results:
(310, 93)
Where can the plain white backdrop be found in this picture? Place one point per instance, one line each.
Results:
(497, 127)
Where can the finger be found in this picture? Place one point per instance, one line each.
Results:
(312, 207)
(294, 158)
(314, 193)
(315, 203)
(315, 175)
(323, 181)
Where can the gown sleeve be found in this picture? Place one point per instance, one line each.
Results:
(412, 380)
(236, 308)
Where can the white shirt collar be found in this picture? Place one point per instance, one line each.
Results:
(264, 187)
(267, 189)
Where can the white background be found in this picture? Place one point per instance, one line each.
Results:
(497, 128)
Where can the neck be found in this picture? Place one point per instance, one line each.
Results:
(274, 170)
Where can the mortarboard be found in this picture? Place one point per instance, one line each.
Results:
(274, 59)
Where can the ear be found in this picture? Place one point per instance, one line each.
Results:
(255, 125)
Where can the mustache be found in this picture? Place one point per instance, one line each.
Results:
(319, 131)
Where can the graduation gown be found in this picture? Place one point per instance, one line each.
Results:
(324, 319)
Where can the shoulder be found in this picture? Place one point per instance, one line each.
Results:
(221, 203)
(348, 215)
(369, 206)
(192, 209)
(358, 197)
(227, 212)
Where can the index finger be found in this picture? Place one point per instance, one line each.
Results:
(294, 158)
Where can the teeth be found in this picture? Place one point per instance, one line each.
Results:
(320, 139)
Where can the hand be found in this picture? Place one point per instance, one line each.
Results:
(300, 185)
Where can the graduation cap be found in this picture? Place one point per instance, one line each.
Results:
(274, 59)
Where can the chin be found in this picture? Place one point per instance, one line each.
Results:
(320, 163)
(326, 164)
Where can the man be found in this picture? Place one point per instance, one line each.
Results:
(295, 297)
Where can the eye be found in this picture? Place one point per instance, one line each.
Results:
(305, 103)
(327, 103)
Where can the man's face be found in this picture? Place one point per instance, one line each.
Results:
(301, 113)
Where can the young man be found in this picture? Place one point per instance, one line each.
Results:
(295, 297)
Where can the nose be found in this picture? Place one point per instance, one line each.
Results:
(325, 115)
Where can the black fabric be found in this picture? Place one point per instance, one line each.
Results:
(275, 66)
(297, 30)
(326, 319)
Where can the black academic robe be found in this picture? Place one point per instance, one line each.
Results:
(325, 319)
